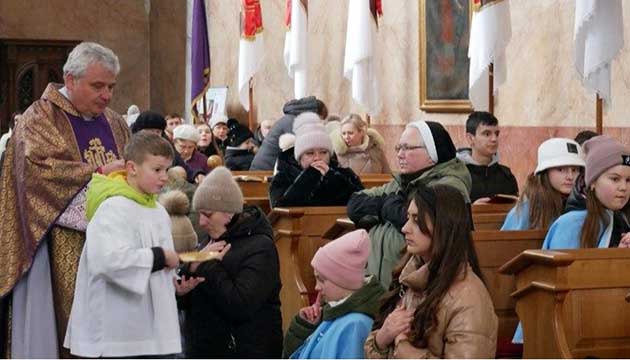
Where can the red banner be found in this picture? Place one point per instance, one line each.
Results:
(251, 18)
(376, 7)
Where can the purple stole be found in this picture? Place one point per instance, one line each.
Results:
(95, 139)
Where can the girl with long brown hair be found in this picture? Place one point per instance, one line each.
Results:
(547, 188)
(438, 305)
(604, 222)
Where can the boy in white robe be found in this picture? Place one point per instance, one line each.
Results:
(124, 300)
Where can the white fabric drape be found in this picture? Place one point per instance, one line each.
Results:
(490, 33)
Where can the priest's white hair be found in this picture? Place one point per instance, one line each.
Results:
(87, 53)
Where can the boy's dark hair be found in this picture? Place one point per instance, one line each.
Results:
(142, 144)
(477, 118)
(584, 135)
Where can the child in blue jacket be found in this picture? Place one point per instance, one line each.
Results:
(338, 329)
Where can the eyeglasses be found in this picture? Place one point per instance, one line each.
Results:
(405, 147)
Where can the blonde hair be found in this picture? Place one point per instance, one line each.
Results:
(356, 121)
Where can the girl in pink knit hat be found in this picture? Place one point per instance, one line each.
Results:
(339, 328)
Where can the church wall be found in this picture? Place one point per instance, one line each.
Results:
(122, 26)
(542, 96)
(168, 55)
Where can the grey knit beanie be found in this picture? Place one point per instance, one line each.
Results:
(219, 192)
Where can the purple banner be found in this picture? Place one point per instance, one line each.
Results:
(200, 53)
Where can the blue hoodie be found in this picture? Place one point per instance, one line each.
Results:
(517, 218)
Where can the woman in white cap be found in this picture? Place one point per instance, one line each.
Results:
(219, 126)
(603, 223)
(547, 188)
(311, 177)
(185, 139)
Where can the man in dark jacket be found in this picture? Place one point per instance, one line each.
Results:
(489, 178)
(266, 156)
(235, 312)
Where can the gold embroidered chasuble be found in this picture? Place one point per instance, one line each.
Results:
(42, 172)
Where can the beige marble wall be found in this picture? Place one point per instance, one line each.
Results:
(542, 86)
(168, 55)
(122, 26)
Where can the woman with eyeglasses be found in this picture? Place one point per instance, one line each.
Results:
(426, 157)
(308, 174)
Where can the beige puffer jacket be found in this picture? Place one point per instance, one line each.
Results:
(369, 157)
(467, 323)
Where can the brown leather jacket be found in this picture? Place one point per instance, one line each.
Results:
(467, 324)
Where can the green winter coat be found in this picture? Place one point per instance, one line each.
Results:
(386, 240)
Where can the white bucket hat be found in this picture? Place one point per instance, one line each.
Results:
(557, 152)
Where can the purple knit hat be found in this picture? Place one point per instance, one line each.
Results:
(602, 153)
(343, 260)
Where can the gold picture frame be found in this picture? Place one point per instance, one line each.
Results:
(444, 59)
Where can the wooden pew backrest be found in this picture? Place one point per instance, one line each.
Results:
(495, 248)
(573, 303)
(489, 216)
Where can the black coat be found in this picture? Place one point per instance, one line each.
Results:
(488, 181)
(240, 297)
(238, 159)
(294, 186)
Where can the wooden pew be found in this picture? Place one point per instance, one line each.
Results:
(370, 180)
(490, 216)
(494, 248)
(255, 187)
(253, 183)
(298, 235)
(573, 303)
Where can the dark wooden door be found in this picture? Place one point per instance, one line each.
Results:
(26, 68)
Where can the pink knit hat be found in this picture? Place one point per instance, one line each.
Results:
(343, 260)
(602, 153)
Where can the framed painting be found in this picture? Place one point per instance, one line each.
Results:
(444, 63)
